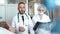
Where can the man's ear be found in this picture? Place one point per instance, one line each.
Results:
(18, 7)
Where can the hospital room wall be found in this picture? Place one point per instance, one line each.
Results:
(2, 12)
(11, 11)
(7, 12)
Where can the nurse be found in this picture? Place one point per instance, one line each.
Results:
(22, 22)
(43, 19)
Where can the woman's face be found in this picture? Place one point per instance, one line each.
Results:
(41, 10)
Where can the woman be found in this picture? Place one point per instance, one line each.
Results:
(43, 19)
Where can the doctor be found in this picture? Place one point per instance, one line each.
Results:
(44, 20)
(22, 22)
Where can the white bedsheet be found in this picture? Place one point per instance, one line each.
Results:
(5, 31)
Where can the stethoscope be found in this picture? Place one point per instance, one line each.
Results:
(18, 16)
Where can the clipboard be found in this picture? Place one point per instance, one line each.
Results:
(36, 26)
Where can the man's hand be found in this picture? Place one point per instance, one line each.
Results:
(21, 29)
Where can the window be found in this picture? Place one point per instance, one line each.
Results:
(2, 1)
(15, 1)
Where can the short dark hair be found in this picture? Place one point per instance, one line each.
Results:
(21, 3)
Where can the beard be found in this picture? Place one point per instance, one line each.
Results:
(21, 12)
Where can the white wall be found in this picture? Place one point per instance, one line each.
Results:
(11, 11)
(35, 8)
(2, 13)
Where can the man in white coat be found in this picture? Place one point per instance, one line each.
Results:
(41, 17)
(22, 23)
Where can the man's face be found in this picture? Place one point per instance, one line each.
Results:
(21, 8)
(41, 10)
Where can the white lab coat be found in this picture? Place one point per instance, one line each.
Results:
(5, 31)
(28, 25)
(41, 18)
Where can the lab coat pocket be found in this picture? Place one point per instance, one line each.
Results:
(26, 22)
(26, 28)
(26, 25)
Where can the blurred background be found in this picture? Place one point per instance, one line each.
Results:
(8, 9)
